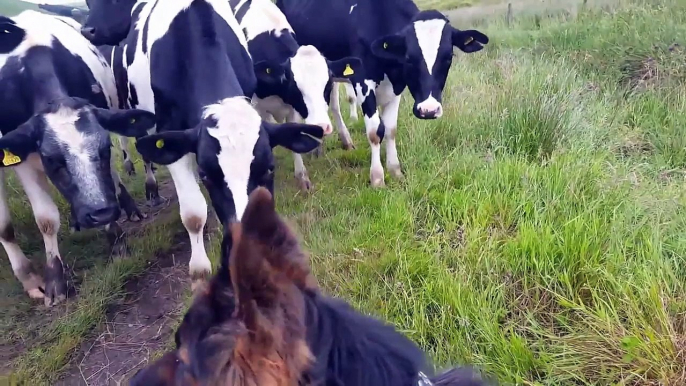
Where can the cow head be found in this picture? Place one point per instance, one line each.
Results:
(233, 149)
(304, 81)
(108, 21)
(73, 142)
(425, 50)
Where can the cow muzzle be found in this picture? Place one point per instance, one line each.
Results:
(429, 109)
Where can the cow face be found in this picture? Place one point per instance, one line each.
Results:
(72, 139)
(233, 150)
(108, 21)
(425, 50)
(304, 81)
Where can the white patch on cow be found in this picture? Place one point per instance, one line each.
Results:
(361, 97)
(264, 16)
(237, 130)
(165, 11)
(351, 8)
(78, 149)
(311, 73)
(41, 29)
(431, 105)
(429, 34)
(193, 211)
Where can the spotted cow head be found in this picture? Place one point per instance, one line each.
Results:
(108, 21)
(233, 149)
(73, 142)
(305, 80)
(424, 48)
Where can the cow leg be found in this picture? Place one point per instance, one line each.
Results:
(375, 131)
(152, 193)
(47, 217)
(389, 117)
(343, 132)
(193, 209)
(74, 225)
(126, 202)
(21, 266)
(352, 100)
(298, 165)
(128, 164)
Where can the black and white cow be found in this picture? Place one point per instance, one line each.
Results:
(188, 61)
(399, 46)
(293, 82)
(55, 89)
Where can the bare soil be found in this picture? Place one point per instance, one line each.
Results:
(144, 322)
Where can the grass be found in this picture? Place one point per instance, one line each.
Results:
(539, 232)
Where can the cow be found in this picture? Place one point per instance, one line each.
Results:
(400, 47)
(108, 52)
(55, 93)
(293, 82)
(188, 61)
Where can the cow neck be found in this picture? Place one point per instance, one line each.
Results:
(46, 86)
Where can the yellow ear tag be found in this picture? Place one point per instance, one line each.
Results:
(385, 45)
(469, 40)
(269, 70)
(10, 159)
(348, 71)
(159, 143)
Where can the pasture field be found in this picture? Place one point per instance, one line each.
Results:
(539, 232)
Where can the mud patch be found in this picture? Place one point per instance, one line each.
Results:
(139, 327)
(143, 323)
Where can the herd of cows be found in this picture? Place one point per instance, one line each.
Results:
(208, 80)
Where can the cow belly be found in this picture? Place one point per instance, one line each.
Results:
(384, 92)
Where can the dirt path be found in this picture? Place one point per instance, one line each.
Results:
(144, 322)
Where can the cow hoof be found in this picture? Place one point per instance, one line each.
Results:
(33, 285)
(152, 194)
(129, 206)
(377, 178)
(348, 146)
(304, 184)
(199, 278)
(55, 283)
(128, 168)
(396, 172)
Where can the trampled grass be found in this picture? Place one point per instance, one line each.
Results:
(539, 232)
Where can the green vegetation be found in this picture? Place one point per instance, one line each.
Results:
(539, 232)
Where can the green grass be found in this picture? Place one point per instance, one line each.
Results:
(540, 230)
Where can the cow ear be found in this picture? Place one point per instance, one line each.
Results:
(391, 47)
(129, 123)
(345, 68)
(168, 147)
(16, 145)
(270, 72)
(11, 35)
(469, 41)
(297, 137)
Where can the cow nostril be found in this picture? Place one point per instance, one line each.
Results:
(327, 128)
(88, 32)
(103, 216)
